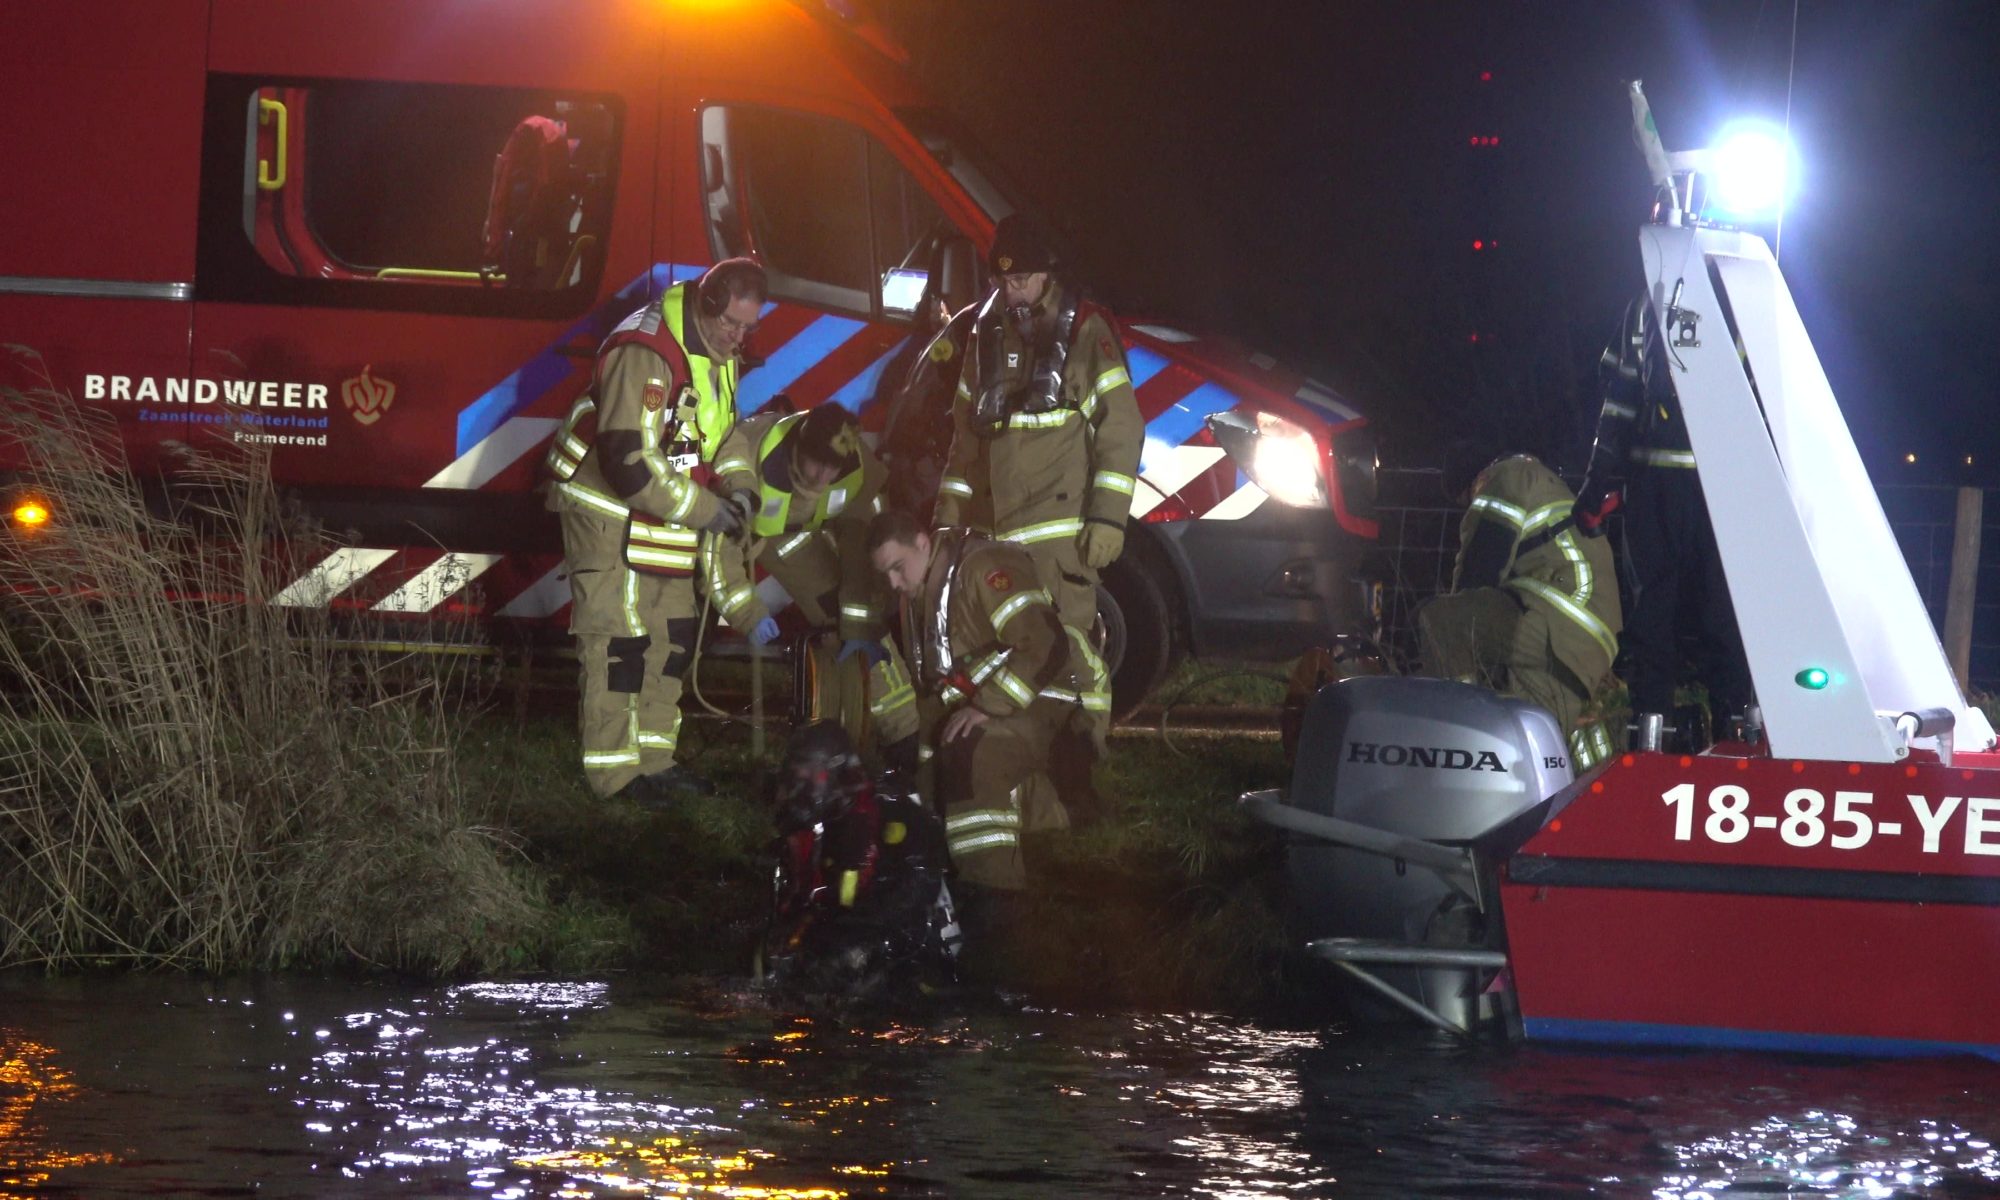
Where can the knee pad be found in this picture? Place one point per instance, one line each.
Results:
(625, 664)
(954, 765)
(680, 640)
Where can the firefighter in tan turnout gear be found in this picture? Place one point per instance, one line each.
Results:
(1046, 437)
(996, 685)
(1534, 609)
(817, 487)
(644, 466)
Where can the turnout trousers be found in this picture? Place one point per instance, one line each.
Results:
(1679, 595)
(1073, 587)
(991, 785)
(634, 635)
(1494, 637)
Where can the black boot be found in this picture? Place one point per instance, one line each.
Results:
(1071, 759)
(989, 919)
(677, 780)
(664, 789)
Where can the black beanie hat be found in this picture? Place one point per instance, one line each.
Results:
(1019, 245)
(827, 435)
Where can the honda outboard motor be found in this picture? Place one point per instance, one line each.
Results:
(1425, 759)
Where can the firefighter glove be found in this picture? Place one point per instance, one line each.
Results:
(765, 632)
(870, 651)
(728, 521)
(1593, 506)
(1101, 544)
(945, 514)
(745, 501)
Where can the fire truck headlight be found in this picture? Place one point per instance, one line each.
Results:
(1287, 463)
(1280, 456)
(1750, 172)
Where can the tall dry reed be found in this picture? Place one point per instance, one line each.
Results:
(192, 776)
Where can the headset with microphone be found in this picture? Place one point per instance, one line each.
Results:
(721, 282)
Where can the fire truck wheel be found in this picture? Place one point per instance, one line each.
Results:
(1139, 645)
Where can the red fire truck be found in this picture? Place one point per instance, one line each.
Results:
(384, 239)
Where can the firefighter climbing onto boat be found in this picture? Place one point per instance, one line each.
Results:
(1533, 611)
(644, 465)
(1643, 463)
(996, 686)
(1046, 438)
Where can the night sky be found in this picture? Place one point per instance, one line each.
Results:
(1301, 175)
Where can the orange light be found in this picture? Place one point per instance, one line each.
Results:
(31, 514)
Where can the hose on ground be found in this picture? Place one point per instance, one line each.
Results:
(694, 668)
(1181, 693)
(1347, 648)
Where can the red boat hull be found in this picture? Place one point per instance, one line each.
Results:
(1740, 901)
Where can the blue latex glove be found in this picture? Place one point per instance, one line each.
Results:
(765, 633)
(872, 651)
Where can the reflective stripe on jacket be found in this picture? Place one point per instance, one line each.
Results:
(1046, 473)
(987, 632)
(681, 407)
(1569, 576)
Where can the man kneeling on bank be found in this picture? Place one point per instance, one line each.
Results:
(995, 688)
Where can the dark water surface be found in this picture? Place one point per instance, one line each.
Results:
(169, 1087)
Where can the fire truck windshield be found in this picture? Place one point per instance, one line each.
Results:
(968, 162)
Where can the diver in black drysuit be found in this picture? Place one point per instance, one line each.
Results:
(859, 911)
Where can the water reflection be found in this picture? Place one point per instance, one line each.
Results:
(667, 1167)
(556, 1109)
(1237, 1097)
(30, 1084)
(1821, 1152)
(583, 1089)
(1678, 1126)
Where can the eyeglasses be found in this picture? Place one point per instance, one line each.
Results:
(739, 328)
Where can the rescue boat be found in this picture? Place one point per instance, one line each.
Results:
(1833, 886)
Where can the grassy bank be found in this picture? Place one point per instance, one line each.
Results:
(1169, 900)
